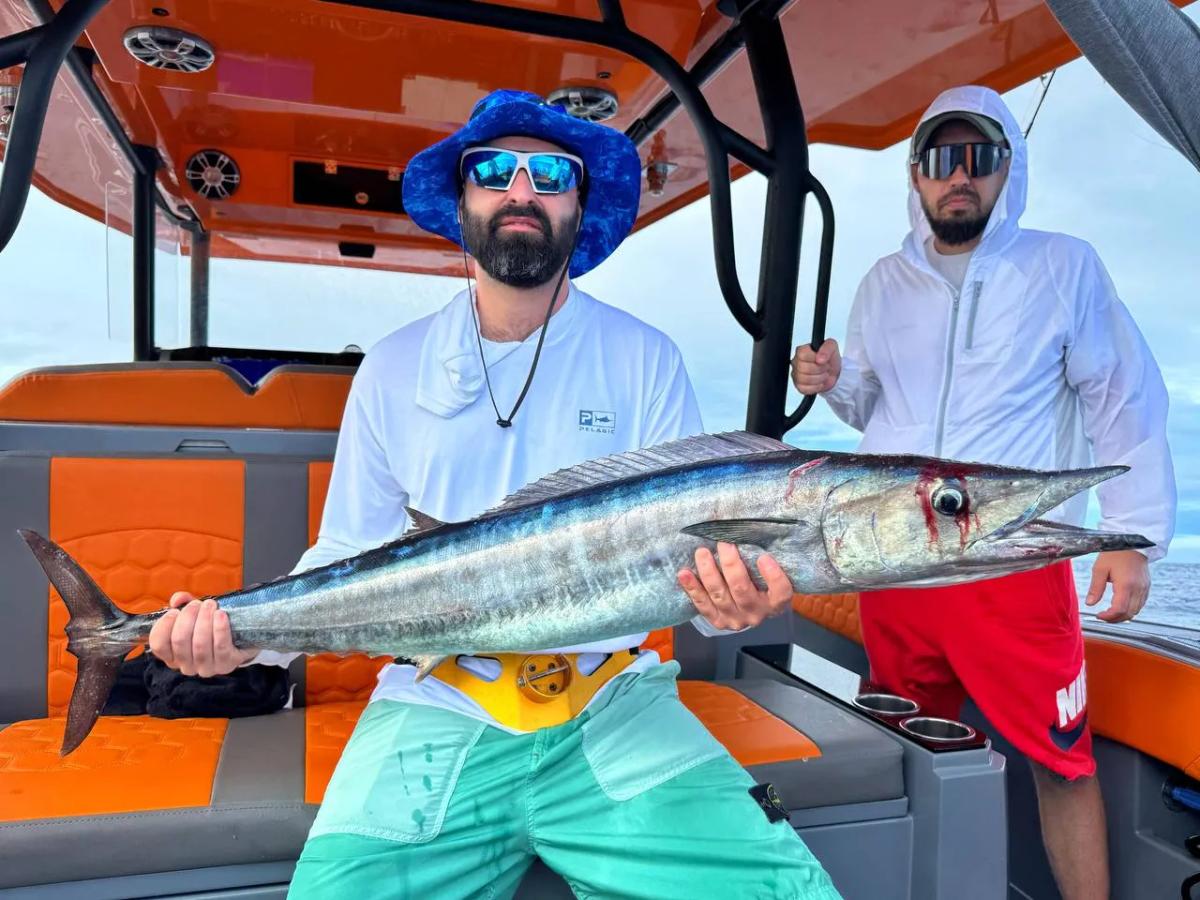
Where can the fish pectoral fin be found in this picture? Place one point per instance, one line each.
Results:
(425, 665)
(765, 533)
(419, 521)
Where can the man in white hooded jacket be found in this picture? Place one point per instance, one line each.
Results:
(980, 340)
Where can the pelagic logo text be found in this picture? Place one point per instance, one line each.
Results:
(597, 421)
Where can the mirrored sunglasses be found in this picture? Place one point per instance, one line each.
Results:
(495, 168)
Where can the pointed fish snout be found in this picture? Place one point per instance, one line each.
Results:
(1057, 488)
(1063, 486)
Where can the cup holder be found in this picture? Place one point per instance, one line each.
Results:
(929, 728)
(886, 704)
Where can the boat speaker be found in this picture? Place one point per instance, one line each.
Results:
(594, 104)
(213, 175)
(169, 48)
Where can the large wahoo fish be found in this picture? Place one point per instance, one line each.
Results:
(591, 552)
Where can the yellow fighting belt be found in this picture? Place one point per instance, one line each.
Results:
(534, 691)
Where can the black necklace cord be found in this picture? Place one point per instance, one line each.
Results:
(506, 421)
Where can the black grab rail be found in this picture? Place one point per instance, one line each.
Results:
(42, 49)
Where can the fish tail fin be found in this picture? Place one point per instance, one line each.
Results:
(90, 638)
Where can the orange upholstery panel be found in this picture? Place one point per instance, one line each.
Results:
(126, 763)
(751, 734)
(200, 397)
(311, 399)
(143, 529)
(330, 678)
(837, 612)
(1146, 701)
(662, 640)
(327, 728)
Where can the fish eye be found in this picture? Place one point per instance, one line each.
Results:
(949, 501)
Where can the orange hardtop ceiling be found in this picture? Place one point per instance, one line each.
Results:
(306, 81)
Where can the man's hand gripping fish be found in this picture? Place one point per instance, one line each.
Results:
(592, 552)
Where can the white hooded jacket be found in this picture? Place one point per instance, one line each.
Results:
(1036, 362)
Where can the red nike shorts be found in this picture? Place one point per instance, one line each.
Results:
(1012, 644)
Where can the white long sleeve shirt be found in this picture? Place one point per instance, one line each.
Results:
(419, 430)
(1035, 362)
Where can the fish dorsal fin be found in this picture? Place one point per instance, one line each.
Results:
(608, 469)
(419, 522)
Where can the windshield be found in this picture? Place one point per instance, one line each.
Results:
(294, 306)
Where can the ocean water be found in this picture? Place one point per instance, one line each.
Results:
(1174, 593)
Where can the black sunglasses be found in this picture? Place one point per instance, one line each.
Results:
(978, 160)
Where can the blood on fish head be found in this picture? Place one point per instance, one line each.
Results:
(954, 478)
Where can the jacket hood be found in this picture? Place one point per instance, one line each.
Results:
(1002, 225)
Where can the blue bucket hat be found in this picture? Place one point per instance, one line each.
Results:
(613, 171)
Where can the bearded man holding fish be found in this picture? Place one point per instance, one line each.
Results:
(983, 340)
(446, 417)
(515, 538)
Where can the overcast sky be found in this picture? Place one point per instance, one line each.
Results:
(1096, 171)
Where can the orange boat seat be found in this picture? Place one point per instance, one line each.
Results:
(143, 528)
(195, 394)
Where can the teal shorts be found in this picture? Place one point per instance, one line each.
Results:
(633, 798)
